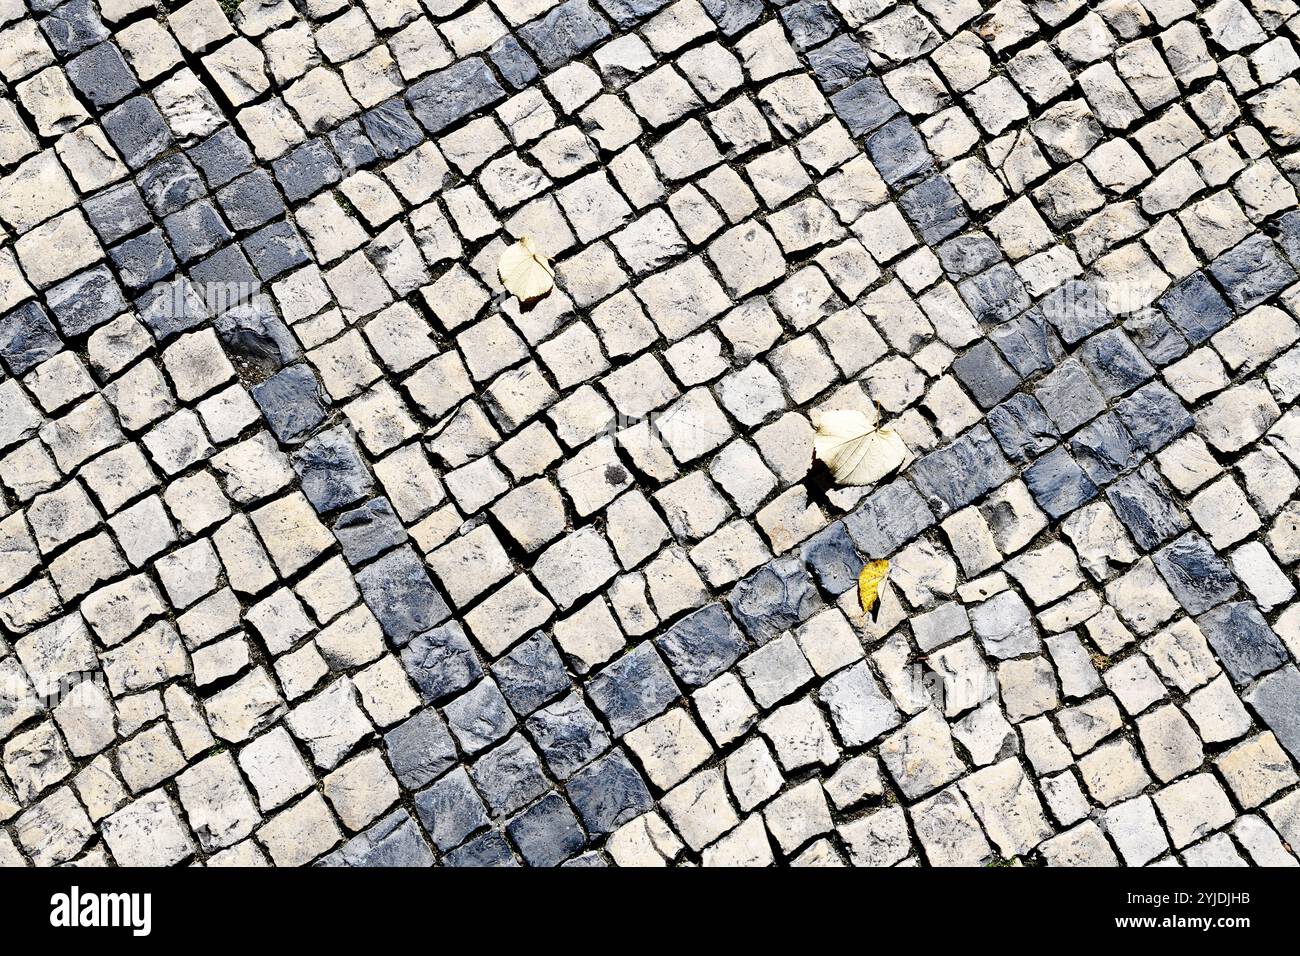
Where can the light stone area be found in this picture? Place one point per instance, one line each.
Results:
(319, 547)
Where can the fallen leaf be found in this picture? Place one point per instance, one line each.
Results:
(869, 579)
(525, 272)
(855, 451)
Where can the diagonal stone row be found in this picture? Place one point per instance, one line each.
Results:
(316, 547)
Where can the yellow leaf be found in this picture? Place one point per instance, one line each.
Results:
(869, 583)
(855, 451)
(525, 272)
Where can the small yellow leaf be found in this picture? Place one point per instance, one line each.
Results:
(525, 272)
(869, 583)
(855, 451)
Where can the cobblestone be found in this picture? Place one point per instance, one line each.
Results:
(331, 552)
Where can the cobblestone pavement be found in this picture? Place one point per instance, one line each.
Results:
(315, 547)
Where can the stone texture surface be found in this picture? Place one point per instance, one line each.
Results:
(317, 548)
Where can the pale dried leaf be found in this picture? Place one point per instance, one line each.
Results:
(855, 451)
(525, 272)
